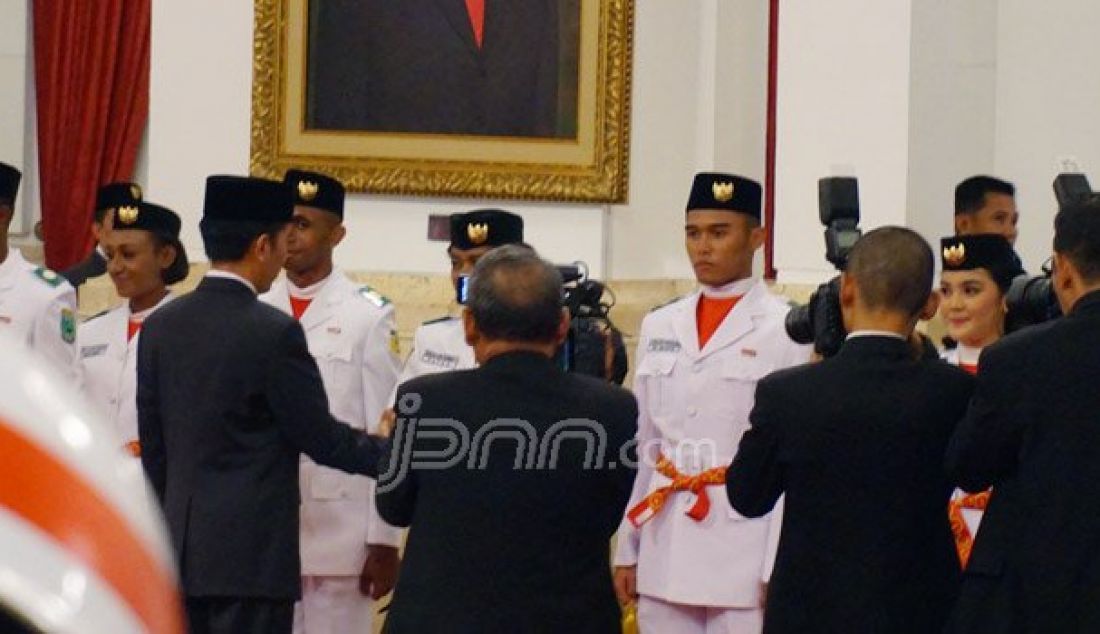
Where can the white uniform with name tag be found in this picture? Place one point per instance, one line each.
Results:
(38, 308)
(108, 366)
(351, 334)
(438, 346)
(693, 408)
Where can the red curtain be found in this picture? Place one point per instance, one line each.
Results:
(91, 65)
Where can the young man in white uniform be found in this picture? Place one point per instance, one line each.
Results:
(691, 562)
(37, 306)
(349, 554)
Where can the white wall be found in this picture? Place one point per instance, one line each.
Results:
(842, 110)
(13, 74)
(952, 101)
(1048, 107)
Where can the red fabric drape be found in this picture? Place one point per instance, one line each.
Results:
(91, 62)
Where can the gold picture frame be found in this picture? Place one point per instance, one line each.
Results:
(589, 166)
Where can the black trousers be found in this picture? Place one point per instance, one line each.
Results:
(239, 615)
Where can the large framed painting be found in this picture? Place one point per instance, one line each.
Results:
(522, 99)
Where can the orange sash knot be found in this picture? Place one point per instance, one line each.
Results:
(964, 541)
(697, 484)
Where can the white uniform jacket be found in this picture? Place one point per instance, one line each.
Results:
(108, 367)
(351, 333)
(694, 407)
(438, 346)
(38, 307)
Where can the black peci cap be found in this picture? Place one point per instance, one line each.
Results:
(246, 199)
(485, 228)
(725, 192)
(115, 195)
(311, 189)
(9, 182)
(987, 251)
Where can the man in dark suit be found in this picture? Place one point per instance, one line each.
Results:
(1033, 434)
(435, 66)
(228, 397)
(856, 443)
(109, 197)
(509, 528)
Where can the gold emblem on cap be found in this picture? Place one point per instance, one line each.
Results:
(135, 191)
(954, 256)
(307, 191)
(723, 192)
(477, 233)
(127, 215)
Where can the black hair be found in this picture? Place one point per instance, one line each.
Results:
(894, 268)
(1077, 236)
(229, 241)
(970, 193)
(516, 296)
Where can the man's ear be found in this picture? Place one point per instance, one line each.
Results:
(337, 235)
(931, 306)
(847, 290)
(261, 246)
(563, 327)
(962, 224)
(757, 235)
(469, 328)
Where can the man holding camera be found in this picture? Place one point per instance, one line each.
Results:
(856, 444)
(1031, 433)
(440, 345)
(693, 564)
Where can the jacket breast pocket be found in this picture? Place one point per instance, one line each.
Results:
(739, 379)
(340, 372)
(655, 372)
(329, 484)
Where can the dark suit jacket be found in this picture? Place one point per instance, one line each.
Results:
(413, 66)
(492, 547)
(228, 395)
(856, 443)
(92, 266)
(1033, 434)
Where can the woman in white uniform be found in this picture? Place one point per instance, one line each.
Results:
(977, 272)
(144, 256)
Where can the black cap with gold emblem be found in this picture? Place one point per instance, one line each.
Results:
(725, 192)
(316, 190)
(149, 217)
(9, 182)
(114, 195)
(989, 251)
(485, 228)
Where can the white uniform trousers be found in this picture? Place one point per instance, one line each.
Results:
(332, 605)
(661, 617)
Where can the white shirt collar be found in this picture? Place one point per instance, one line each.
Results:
(227, 275)
(875, 333)
(733, 289)
(309, 292)
(12, 263)
(967, 354)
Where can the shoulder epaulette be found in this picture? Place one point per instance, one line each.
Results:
(668, 303)
(48, 276)
(98, 315)
(376, 298)
(437, 320)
